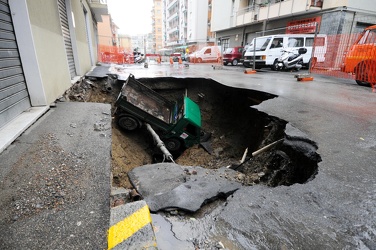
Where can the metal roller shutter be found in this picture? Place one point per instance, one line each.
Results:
(67, 38)
(14, 97)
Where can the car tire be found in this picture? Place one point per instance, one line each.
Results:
(172, 144)
(128, 123)
(246, 65)
(362, 74)
(275, 66)
(199, 60)
(224, 63)
(234, 62)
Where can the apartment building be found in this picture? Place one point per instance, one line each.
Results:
(125, 41)
(237, 22)
(108, 32)
(186, 22)
(157, 27)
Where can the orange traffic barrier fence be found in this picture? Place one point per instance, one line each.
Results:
(112, 54)
(351, 56)
(118, 55)
(153, 58)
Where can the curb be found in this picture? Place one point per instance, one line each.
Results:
(131, 228)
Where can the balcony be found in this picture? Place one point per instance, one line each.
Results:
(171, 4)
(172, 30)
(274, 9)
(183, 8)
(172, 17)
(99, 8)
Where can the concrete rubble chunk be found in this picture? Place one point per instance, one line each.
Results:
(168, 185)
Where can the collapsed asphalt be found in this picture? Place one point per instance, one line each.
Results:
(334, 210)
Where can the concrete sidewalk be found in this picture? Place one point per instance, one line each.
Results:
(55, 181)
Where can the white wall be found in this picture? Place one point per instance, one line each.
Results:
(197, 20)
(221, 14)
(369, 5)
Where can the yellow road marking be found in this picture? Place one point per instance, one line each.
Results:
(127, 227)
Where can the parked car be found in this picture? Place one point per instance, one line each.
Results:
(267, 49)
(206, 54)
(361, 59)
(176, 56)
(232, 55)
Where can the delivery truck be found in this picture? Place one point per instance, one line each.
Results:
(177, 122)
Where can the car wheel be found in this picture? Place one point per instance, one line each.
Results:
(172, 144)
(246, 65)
(275, 66)
(224, 63)
(363, 74)
(234, 62)
(199, 60)
(128, 123)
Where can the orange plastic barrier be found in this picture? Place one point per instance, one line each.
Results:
(153, 57)
(111, 54)
(114, 54)
(351, 56)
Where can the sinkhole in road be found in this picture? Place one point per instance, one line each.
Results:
(235, 126)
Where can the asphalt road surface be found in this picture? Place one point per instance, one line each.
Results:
(336, 209)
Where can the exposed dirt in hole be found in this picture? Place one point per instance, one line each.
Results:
(227, 114)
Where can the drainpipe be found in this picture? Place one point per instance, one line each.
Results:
(292, 6)
(243, 40)
(263, 27)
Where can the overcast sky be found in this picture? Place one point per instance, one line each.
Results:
(131, 16)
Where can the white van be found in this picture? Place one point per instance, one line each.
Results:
(268, 49)
(206, 54)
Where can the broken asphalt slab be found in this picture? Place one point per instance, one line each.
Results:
(168, 185)
(98, 72)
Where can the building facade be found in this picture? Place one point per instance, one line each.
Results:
(125, 41)
(108, 32)
(157, 27)
(45, 47)
(237, 22)
(187, 22)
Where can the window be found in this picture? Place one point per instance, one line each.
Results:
(190, 129)
(309, 42)
(369, 37)
(296, 42)
(320, 41)
(277, 42)
(225, 43)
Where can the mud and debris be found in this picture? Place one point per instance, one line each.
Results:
(227, 114)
